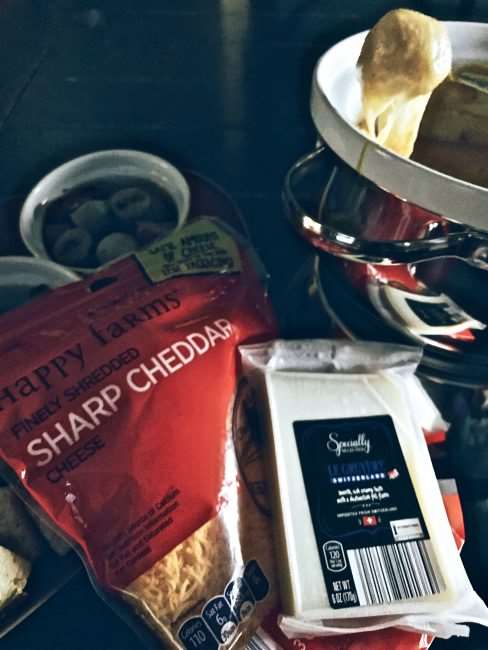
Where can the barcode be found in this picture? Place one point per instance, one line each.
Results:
(262, 641)
(385, 574)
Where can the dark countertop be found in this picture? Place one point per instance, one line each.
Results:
(218, 86)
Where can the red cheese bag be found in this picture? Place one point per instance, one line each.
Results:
(116, 396)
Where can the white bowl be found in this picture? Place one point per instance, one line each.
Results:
(335, 106)
(20, 274)
(90, 168)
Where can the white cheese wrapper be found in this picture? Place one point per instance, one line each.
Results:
(469, 608)
(363, 539)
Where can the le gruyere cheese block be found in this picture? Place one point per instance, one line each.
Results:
(361, 527)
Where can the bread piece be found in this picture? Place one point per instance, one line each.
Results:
(404, 58)
(453, 136)
(14, 572)
(456, 114)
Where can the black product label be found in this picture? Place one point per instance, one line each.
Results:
(220, 616)
(195, 635)
(436, 314)
(240, 599)
(372, 540)
(220, 619)
(256, 580)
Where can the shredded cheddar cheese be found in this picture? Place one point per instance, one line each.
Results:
(186, 576)
(178, 586)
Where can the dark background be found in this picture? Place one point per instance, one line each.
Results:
(220, 87)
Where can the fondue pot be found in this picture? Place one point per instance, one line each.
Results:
(402, 249)
(410, 242)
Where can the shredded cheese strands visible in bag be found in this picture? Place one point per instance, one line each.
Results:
(188, 575)
(178, 586)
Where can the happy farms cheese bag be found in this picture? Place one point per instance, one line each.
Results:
(116, 397)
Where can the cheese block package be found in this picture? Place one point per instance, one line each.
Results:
(116, 408)
(363, 540)
(270, 637)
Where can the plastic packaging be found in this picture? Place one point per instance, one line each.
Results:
(363, 538)
(270, 637)
(116, 398)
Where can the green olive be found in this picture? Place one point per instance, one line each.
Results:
(73, 247)
(115, 245)
(130, 204)
(93, 216)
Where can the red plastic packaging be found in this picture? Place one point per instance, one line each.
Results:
(116, 399)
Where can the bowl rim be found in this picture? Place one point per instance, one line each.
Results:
(36, 263)
(437, 192)
(31, 202)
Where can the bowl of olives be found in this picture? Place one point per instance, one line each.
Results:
(99, 208)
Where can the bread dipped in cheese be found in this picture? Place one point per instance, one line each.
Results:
(404, 58)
